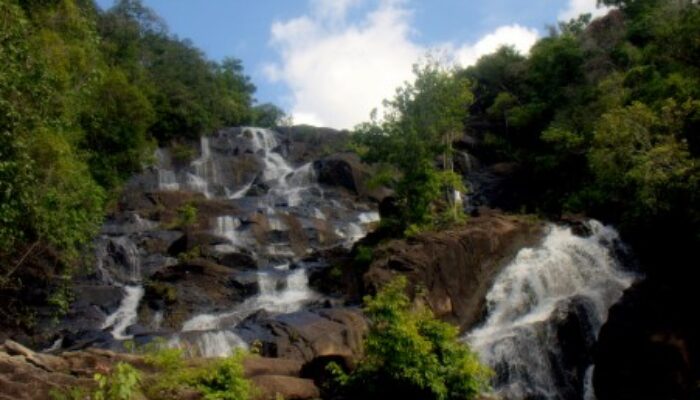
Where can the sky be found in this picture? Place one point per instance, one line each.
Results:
(330, 62)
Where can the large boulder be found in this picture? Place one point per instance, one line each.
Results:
(347, 171)
(649, 348)
(313, 337)
(193, 287)
(454, 268)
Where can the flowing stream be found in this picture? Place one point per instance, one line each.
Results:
(567, 276)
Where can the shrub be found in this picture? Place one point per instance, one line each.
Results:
(223, 380)
(121, 384)
(411, 355)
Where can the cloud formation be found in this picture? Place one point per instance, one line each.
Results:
(578, 7)
(339, 70)
(520, 37)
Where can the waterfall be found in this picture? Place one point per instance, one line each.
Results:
(132, 259)
(281, 291)
(127, 313)
(208, 344)
(226, 227)
(519, 338)
(275, 220)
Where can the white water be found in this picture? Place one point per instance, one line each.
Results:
(515, 339)
(226, 227)
(204, 170)
(209, 344)
(133, 260)
(279, 293)
(210, 334)
(127, 313)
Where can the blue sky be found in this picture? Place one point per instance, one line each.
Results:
(329, 62)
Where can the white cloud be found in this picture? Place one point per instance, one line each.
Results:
(338, 73)
(339, 70)
(520, 37)
(578, 7)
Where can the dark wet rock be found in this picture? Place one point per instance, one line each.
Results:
(578, 223)
(307, 335)
(649, 348)
(304, 143)
(159, 241)
(337, 274)
(194, 287)
(104, 297)
(86, 338)
(347, 171)
(572, 333)
(195, 240)
(237, 260)
(501, 185)
(455, 267)
(465, 163)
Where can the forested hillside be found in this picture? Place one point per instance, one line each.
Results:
(601, 118)
(85, 96)
(604, 118)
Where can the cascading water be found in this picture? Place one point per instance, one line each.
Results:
(519, 338)
(281, 193)
(273, 214)
(126, 315)
(128, 257)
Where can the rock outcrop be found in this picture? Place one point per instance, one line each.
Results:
(347, 171)
(649, 348)
(455, 268)
(27, 375)
(313, 337)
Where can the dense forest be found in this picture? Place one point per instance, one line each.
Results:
(600, 119)
(85, 96)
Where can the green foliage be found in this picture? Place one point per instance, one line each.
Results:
(121, 384)
(418, 128)
(162, 290)
(267, 115)
(220, 379)
(182, 153)
(116, 132)
(186, 216)
(364, 254)
(411, 355)
(223, 380)
(602, 119)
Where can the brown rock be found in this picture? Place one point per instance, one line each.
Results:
(255, 366)
(270, 387)
(454, 268)
(347, 171)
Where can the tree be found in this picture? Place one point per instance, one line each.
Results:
(268, 115)
(419, 126)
